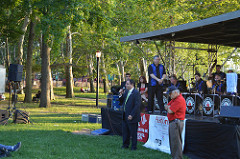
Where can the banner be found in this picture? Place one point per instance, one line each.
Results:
(2, 79)
(143, 128)
(158, 134)
(232, 79)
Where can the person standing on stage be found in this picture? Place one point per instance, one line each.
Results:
(131, 114)
(219, 72)
(123, 88)
(200, 86)
(157, 74)
(176, 109)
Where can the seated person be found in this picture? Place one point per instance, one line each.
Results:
(142, 88)
(174, 82)
(200, 85)
(37, 96)
(82, 90)
(5, 150)
(219, 87)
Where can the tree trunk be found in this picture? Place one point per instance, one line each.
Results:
(3, 60)
(7, 55)
(105, 79)
(20, 46)
(119, 74)
(69, 74)
(122, 70)
(90, 71)
(45, 74)
(14, 58)
(143, 67)
(28, 89)
(21, 40)
(52, 96)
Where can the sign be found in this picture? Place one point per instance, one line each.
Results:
(208, 105)
(158, 134)
(232, 79)
(190, 102)
(143, 128)
(226, 102)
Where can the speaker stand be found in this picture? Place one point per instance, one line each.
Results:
(12, 106)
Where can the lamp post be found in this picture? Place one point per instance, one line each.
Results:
(98, 55)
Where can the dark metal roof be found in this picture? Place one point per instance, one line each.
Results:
(221, 30)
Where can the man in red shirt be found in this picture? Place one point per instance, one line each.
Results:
(176, 109)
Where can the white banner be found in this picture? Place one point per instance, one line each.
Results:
(232, 82)
(158, 134)
(2, 79)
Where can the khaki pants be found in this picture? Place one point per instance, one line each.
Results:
(175, 138)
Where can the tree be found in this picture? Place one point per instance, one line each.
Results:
(28, 92)
(69, 75)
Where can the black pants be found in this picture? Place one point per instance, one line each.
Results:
(158, 90)
(129, 130)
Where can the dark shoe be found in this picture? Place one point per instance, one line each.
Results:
(149, 112)
(124, 147)
(4, 153)
(17, 146)
(133, 149)
(164, 112)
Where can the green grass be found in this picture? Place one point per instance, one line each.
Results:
(61, 100)
(61, 91)
(50, 136)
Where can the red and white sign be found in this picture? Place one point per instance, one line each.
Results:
(143, 128)
(158, 136)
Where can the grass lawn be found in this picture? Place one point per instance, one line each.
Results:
(50, 136)
(77, 93)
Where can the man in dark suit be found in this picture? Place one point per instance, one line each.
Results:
(131, 114)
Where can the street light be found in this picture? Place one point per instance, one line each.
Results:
(98, 55)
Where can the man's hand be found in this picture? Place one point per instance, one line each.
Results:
(120, 91)
(160, 81)
(130, 117)
(166, 107)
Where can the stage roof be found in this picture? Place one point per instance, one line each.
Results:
(221, 30)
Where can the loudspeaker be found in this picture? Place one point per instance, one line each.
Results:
(15, 72)
(230, 114)
(230, 111)
(4, 115)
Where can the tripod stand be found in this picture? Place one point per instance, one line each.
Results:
(12, 105)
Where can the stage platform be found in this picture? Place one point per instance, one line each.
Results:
(205, 137)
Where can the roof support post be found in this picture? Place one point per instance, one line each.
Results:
(212, 56)
(170, 57)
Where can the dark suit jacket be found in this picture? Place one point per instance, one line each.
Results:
(132, 106)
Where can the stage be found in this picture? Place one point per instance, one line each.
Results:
(205, 137)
